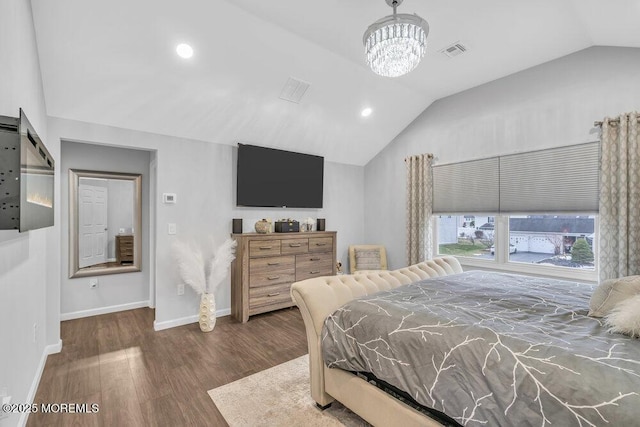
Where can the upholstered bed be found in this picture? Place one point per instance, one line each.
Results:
(507, 354)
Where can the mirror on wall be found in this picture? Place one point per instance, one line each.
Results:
(105, 223)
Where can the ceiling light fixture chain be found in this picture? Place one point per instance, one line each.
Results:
(394, 4)
(395, 44)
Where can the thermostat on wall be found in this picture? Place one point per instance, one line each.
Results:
(169, 197)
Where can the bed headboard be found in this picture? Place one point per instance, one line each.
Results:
(317, 298)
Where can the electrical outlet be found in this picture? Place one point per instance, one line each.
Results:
(93, 283)
(180, 288)
(35, 332)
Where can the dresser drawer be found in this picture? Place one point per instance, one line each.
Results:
(124, 249)
(320, 244)
(314, 265)
(269, 295)
(294, 246)
(272, 271)
(260, 248)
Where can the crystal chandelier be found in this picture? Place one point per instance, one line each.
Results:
(395, 44)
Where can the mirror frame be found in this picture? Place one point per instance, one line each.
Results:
(74, 182)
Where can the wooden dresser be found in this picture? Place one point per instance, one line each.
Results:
(124, 249)
(267, 264)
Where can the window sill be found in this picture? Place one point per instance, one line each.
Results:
(576, 275)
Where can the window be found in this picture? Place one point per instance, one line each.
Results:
(554, 240)
(554, 245)
(534, 202)
(466, 235)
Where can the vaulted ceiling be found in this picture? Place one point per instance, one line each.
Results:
(114, 63)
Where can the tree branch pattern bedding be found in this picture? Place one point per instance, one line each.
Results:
(492, 349)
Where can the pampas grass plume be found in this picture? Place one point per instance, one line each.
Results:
(219, 265)
(190, 265)
(625, 317)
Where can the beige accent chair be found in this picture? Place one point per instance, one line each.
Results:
(367, 258)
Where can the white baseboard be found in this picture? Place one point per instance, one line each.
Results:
(223, 312)
(159, 326)
(50, 349)
(54, 348)
(103, 310)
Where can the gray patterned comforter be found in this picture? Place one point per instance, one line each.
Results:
(492, 349)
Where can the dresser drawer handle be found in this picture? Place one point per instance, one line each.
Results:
(275, 294)
(321, 244)
(294, 245)
(273, 263)
(264, 248)
(314, 259)
(273, 277)
(314, 272)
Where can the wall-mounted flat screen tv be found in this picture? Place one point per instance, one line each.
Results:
(267, 177)
(36, 179)
(26, 176)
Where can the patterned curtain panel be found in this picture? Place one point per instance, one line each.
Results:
(620, 197)
(419, 208)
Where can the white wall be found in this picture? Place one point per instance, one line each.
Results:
(27, 270)
(114, 290)
(550, 105)
(202, 175)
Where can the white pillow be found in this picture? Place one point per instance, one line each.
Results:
(611, 292)
(625, 317)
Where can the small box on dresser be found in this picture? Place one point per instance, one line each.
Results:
(267, 264)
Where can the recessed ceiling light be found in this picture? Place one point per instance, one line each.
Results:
(366, 112)
(184, 50)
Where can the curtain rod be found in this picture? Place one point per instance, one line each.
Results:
(613, 121)
(429, 156)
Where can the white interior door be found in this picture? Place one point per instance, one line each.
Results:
(92, 217)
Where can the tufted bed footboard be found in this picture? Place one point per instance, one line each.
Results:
(317, 298)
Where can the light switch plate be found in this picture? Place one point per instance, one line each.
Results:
(171, 228)
(169, 198)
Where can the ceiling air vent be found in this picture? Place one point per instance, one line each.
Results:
(454, 50)
(294, 90)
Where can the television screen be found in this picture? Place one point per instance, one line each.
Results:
(36, 179)
(267, 177)
(26, 177)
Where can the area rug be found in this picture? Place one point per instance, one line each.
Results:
(278, 396)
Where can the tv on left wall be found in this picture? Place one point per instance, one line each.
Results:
(26, 176)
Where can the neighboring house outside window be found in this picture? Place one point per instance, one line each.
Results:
(535, 240)
(549, 234)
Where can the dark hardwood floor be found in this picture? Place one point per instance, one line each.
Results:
(140, 377)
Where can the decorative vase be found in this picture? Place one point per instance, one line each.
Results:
(263, 226)
(207, 312)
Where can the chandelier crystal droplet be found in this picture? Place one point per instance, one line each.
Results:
(395, 44)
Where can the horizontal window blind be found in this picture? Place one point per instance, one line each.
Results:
(561, 179)
(468, 187)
